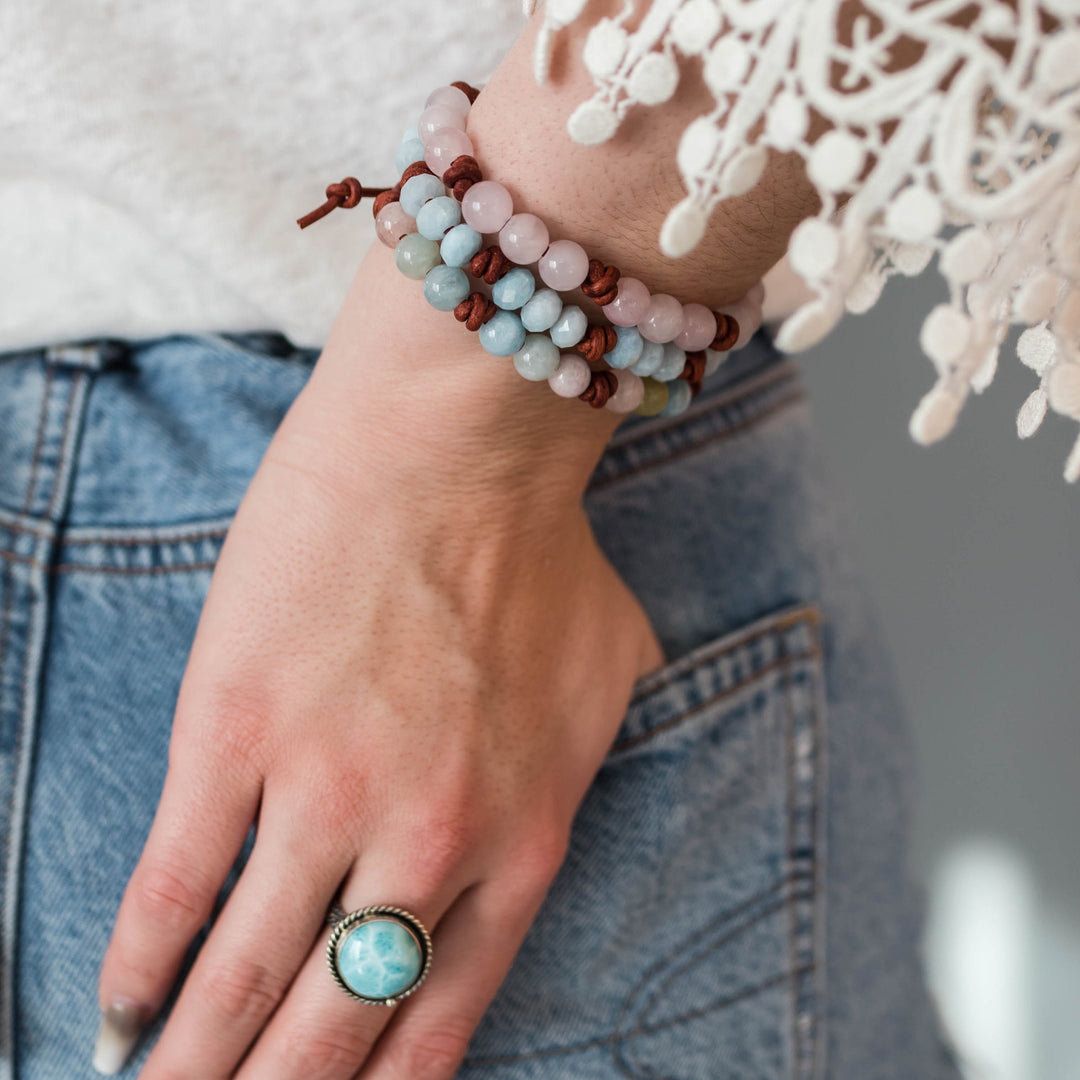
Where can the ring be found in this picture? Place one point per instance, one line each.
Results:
(378, 954)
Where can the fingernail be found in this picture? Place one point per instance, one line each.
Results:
(120, 1027)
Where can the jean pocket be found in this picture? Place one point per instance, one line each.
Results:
(682, 937)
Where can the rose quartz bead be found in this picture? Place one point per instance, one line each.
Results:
(699, 328)
(630, 304)
(524, 238)
(435, 117)
(487, 206)
(663, 319)
(756, 293)
(628, 393)
(392, 223)
(572, 375)
(564, 265)
(443, 146)
(449, 95)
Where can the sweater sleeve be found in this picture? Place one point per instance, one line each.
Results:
(968, 154)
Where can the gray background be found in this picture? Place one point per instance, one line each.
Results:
(973, 549)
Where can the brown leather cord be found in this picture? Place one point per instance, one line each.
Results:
(469, 91)
(464, 171)
(388, 196)
(346, 194)
(475, 310)
(694, 369)
(490, 264)
(727, 332)
(597, 341)
(601, 386)
(600, 282)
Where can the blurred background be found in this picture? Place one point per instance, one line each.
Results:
(972, 548)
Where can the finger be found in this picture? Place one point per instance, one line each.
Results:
(319, 1032)
(258, 942)
(478, 940)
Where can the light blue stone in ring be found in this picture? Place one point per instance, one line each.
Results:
(502, 334)
(437, 216)
(445, 287)
(679, 395)
(538, 358)
(652, 354)
(514, 289)
(417, 190)
(542, 311)
(379, 958)
(627, 349)
(672, 363)
(571, 327)
(460, 244)
(409, 151)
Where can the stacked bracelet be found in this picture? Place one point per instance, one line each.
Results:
(436, 217)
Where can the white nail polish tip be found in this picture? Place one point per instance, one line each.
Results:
(117, 1035)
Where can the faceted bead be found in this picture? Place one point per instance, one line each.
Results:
(438, 116)
(537, 359)
(453, 96)
(514, 289)
(628, 393)
(415, 255)
(627, 348)
(679, 395)
(542, 311)
(379, 958)
(409, 151)
(570, 327)
(654, 397)
(437, 216)
(487, 206)
(460, 244)
(699, 327)
(652, 355)
(713, 360)
(445, 287)
(443, 146)
(564, 265)
(571, 377)
(672, 362)
(392, 223)
(524, 238)
(417, 190)
(502, 334)
(663, 318)
(630, 303)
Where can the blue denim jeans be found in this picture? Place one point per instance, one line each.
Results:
(735, 901)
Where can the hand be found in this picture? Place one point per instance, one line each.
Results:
(411, 662)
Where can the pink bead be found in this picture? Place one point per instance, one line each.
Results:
(487, 206)
(563, 266)
(663, 319)
(629, 306)
(443, 146)
(392, 223)
(572, 375)
(524, 238)
(449, 95)
(438, 116)
(756, 293)
(628, 393)
(699, 328)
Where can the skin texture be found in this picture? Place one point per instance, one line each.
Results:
(413, 656)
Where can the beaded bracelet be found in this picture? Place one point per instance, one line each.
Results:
(660, 349)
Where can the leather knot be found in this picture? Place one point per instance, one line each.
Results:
(601, 282)
(464, 171)
(727, 332)
(475, 310)
(388, 196)
(346, 193)
(489, 264)
(469, 91)
(597, 341)
(694, 368)
(416, 168)
(601, 386)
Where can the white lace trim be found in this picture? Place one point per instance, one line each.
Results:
(984, 173)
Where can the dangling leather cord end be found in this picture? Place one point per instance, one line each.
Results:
(346, 195)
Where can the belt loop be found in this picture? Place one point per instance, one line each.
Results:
(93, 355)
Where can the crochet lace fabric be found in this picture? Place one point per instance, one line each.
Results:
(970, 154)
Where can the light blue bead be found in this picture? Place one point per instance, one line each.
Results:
(502, 334)
(437, 216)
(678, 397)
(379, 959)
(460, 244)
(514, 289)
(537, 359)
(570, 327)
(628, 348)
(672, 363)
(417, 190)
(650, 359)
(409, 151)
(415, 255)
(412, 132)
(445, 287)
(542, 311)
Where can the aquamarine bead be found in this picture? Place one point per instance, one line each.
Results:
(542, 311)
(409, 151)
(672, 363)
(651, 357)
(502, 334)
(415, 255)
(538, 358)
(570, 327)
(679, 395)
(627, 349)
(445, 287)
(437, 216)
(411, 132)
(417, 190)
(460, 244)
(379, 959)
(514, 289)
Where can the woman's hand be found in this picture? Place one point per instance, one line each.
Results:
(411, 662)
